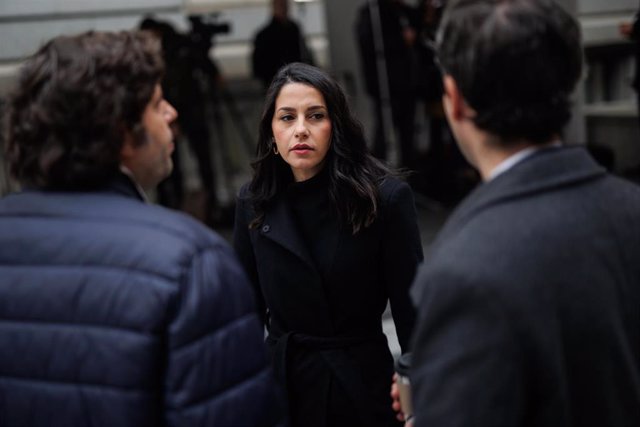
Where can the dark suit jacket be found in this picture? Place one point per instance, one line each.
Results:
(529, 304)
(325, 329)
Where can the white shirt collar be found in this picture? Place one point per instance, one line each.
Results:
(125, 170)
(518, 157)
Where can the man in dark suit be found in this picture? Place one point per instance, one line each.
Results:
(529, 301)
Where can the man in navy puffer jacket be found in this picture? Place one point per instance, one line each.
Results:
(114, 312)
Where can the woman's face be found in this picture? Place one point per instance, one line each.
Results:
(302, 129)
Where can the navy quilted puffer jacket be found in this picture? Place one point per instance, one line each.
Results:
(116, 313)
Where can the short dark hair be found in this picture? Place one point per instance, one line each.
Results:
(74, 102)
(516, 62)
(354, 174)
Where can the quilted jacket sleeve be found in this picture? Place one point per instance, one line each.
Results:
(216, 368)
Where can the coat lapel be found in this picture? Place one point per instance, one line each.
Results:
(279, 227)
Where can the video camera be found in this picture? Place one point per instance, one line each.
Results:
(206, 27)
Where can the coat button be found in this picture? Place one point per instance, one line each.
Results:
(266, 228)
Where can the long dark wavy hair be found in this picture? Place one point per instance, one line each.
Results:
(354, 174)
(75, 101)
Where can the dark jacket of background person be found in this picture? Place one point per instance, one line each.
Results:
(427, 75)
(279, 43)
(117, 313)
(632, 31)
(188, 84)
(324, 321)
(635, 36)
(398, 55)
(396, 19)
(540, 270)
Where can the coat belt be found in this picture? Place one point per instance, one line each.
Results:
(330, 348)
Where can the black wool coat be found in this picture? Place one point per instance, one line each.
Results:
(325, 331)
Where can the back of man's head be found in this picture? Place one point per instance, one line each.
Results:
(75, 101)
(516, 62)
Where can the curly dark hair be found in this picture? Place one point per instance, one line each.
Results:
(354, 174)
(75, 100)
(516, 63)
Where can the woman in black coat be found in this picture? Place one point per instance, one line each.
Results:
(328, 237)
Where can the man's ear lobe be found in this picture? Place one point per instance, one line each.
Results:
(457, 103)
(128, 147)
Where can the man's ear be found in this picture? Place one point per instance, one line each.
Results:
(128, 149)
(453, 100)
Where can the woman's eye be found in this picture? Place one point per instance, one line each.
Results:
(286, 118)
(317, 116)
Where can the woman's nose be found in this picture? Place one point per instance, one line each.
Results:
(301, 129)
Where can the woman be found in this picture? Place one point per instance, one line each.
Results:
(327, 236)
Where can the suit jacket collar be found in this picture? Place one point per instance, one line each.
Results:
(544, 171)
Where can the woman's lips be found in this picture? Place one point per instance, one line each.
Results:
(301, 148)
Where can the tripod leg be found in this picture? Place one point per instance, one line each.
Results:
(241, 126)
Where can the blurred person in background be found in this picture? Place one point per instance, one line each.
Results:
(386, 32)
(189, 79)
(279, 43)
(631, 30)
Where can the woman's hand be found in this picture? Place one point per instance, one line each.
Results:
(395, 405)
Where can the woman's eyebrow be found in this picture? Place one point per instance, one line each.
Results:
(287, 109)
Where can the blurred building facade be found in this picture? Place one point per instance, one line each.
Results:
(605, 114)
